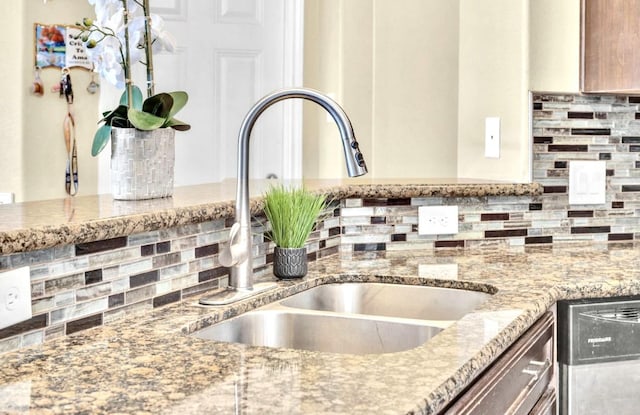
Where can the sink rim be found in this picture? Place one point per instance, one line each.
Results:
(419, 325)
(277, 306)
(481, 297)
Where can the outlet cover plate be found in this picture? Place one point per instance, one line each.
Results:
(587, 182)
(437, 220)
(15, 296)
(492, 137)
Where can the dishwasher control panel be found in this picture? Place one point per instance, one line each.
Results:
(598, 330)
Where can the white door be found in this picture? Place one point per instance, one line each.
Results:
(230, 53)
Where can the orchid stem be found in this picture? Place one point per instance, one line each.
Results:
(127, 57)
(148, 49)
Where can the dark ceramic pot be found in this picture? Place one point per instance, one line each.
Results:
(289, 263)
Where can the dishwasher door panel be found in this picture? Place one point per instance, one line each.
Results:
(600, 388)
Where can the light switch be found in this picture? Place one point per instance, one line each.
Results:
(492, 137)
(587, 182)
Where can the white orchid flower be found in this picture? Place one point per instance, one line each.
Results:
(162, 39)
(108, 61)
(108, 40)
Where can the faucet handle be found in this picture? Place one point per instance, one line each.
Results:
(231, 252)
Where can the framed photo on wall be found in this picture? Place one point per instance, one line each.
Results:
(56, 46)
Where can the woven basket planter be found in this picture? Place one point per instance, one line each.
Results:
(142, 163)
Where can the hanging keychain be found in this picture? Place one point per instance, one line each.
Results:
(93, 86)
(69, 128)
(37, 87)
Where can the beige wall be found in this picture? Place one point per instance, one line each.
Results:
(439, 68)
(415, 88)
(395, 76)
(44, 152)
(555, 45)
(323, 34)
(338, 62)
(493, 82)
(35, 155)
(12, 179)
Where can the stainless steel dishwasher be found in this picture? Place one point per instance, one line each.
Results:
(599, 356)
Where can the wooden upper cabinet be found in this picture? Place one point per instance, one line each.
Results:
(610, 46)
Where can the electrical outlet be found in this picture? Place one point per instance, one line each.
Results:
(15, 296)
(437, 220)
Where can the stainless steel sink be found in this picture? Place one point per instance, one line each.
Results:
(319, 332)
(391, 300)
(354, 318)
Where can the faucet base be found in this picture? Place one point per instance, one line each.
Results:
(231, 295)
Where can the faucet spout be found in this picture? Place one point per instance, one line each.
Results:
(238, 254)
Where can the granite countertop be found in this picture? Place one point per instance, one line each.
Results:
(37, 225)
(148, 365)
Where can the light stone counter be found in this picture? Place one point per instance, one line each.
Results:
(147, 365)
(37, 225)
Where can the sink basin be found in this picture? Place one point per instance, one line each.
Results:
(354, 318)
(391, 300)
(319, 332)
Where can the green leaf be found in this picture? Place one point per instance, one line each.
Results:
(121, 122)
(137, 98)
(120, 112)
(180, 99)
(158, 105)
(292, 214)
(177, 125)
(145, 121)
(100, 139)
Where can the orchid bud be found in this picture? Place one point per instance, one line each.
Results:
(88, 22)
(91, 43)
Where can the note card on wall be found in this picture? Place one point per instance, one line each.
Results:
(56, 46)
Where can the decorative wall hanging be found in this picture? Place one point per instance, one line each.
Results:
(37, 87)
(58, 46)
(69, 129)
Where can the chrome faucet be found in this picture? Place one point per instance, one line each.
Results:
(237, 253)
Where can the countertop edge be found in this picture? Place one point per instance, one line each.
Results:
(24, 239)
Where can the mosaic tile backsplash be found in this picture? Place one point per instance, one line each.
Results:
(565, 128)
(76, 287)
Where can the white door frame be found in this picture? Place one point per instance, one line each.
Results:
(293, 76)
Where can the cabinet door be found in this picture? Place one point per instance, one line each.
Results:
(610, 46)
(517, 380)
(546, 404)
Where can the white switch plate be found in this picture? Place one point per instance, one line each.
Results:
(587, 182)
(6, 198)
(492, 137)
(15, 296)
(437, 220)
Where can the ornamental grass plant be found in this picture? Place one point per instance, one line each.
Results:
(292, 213)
